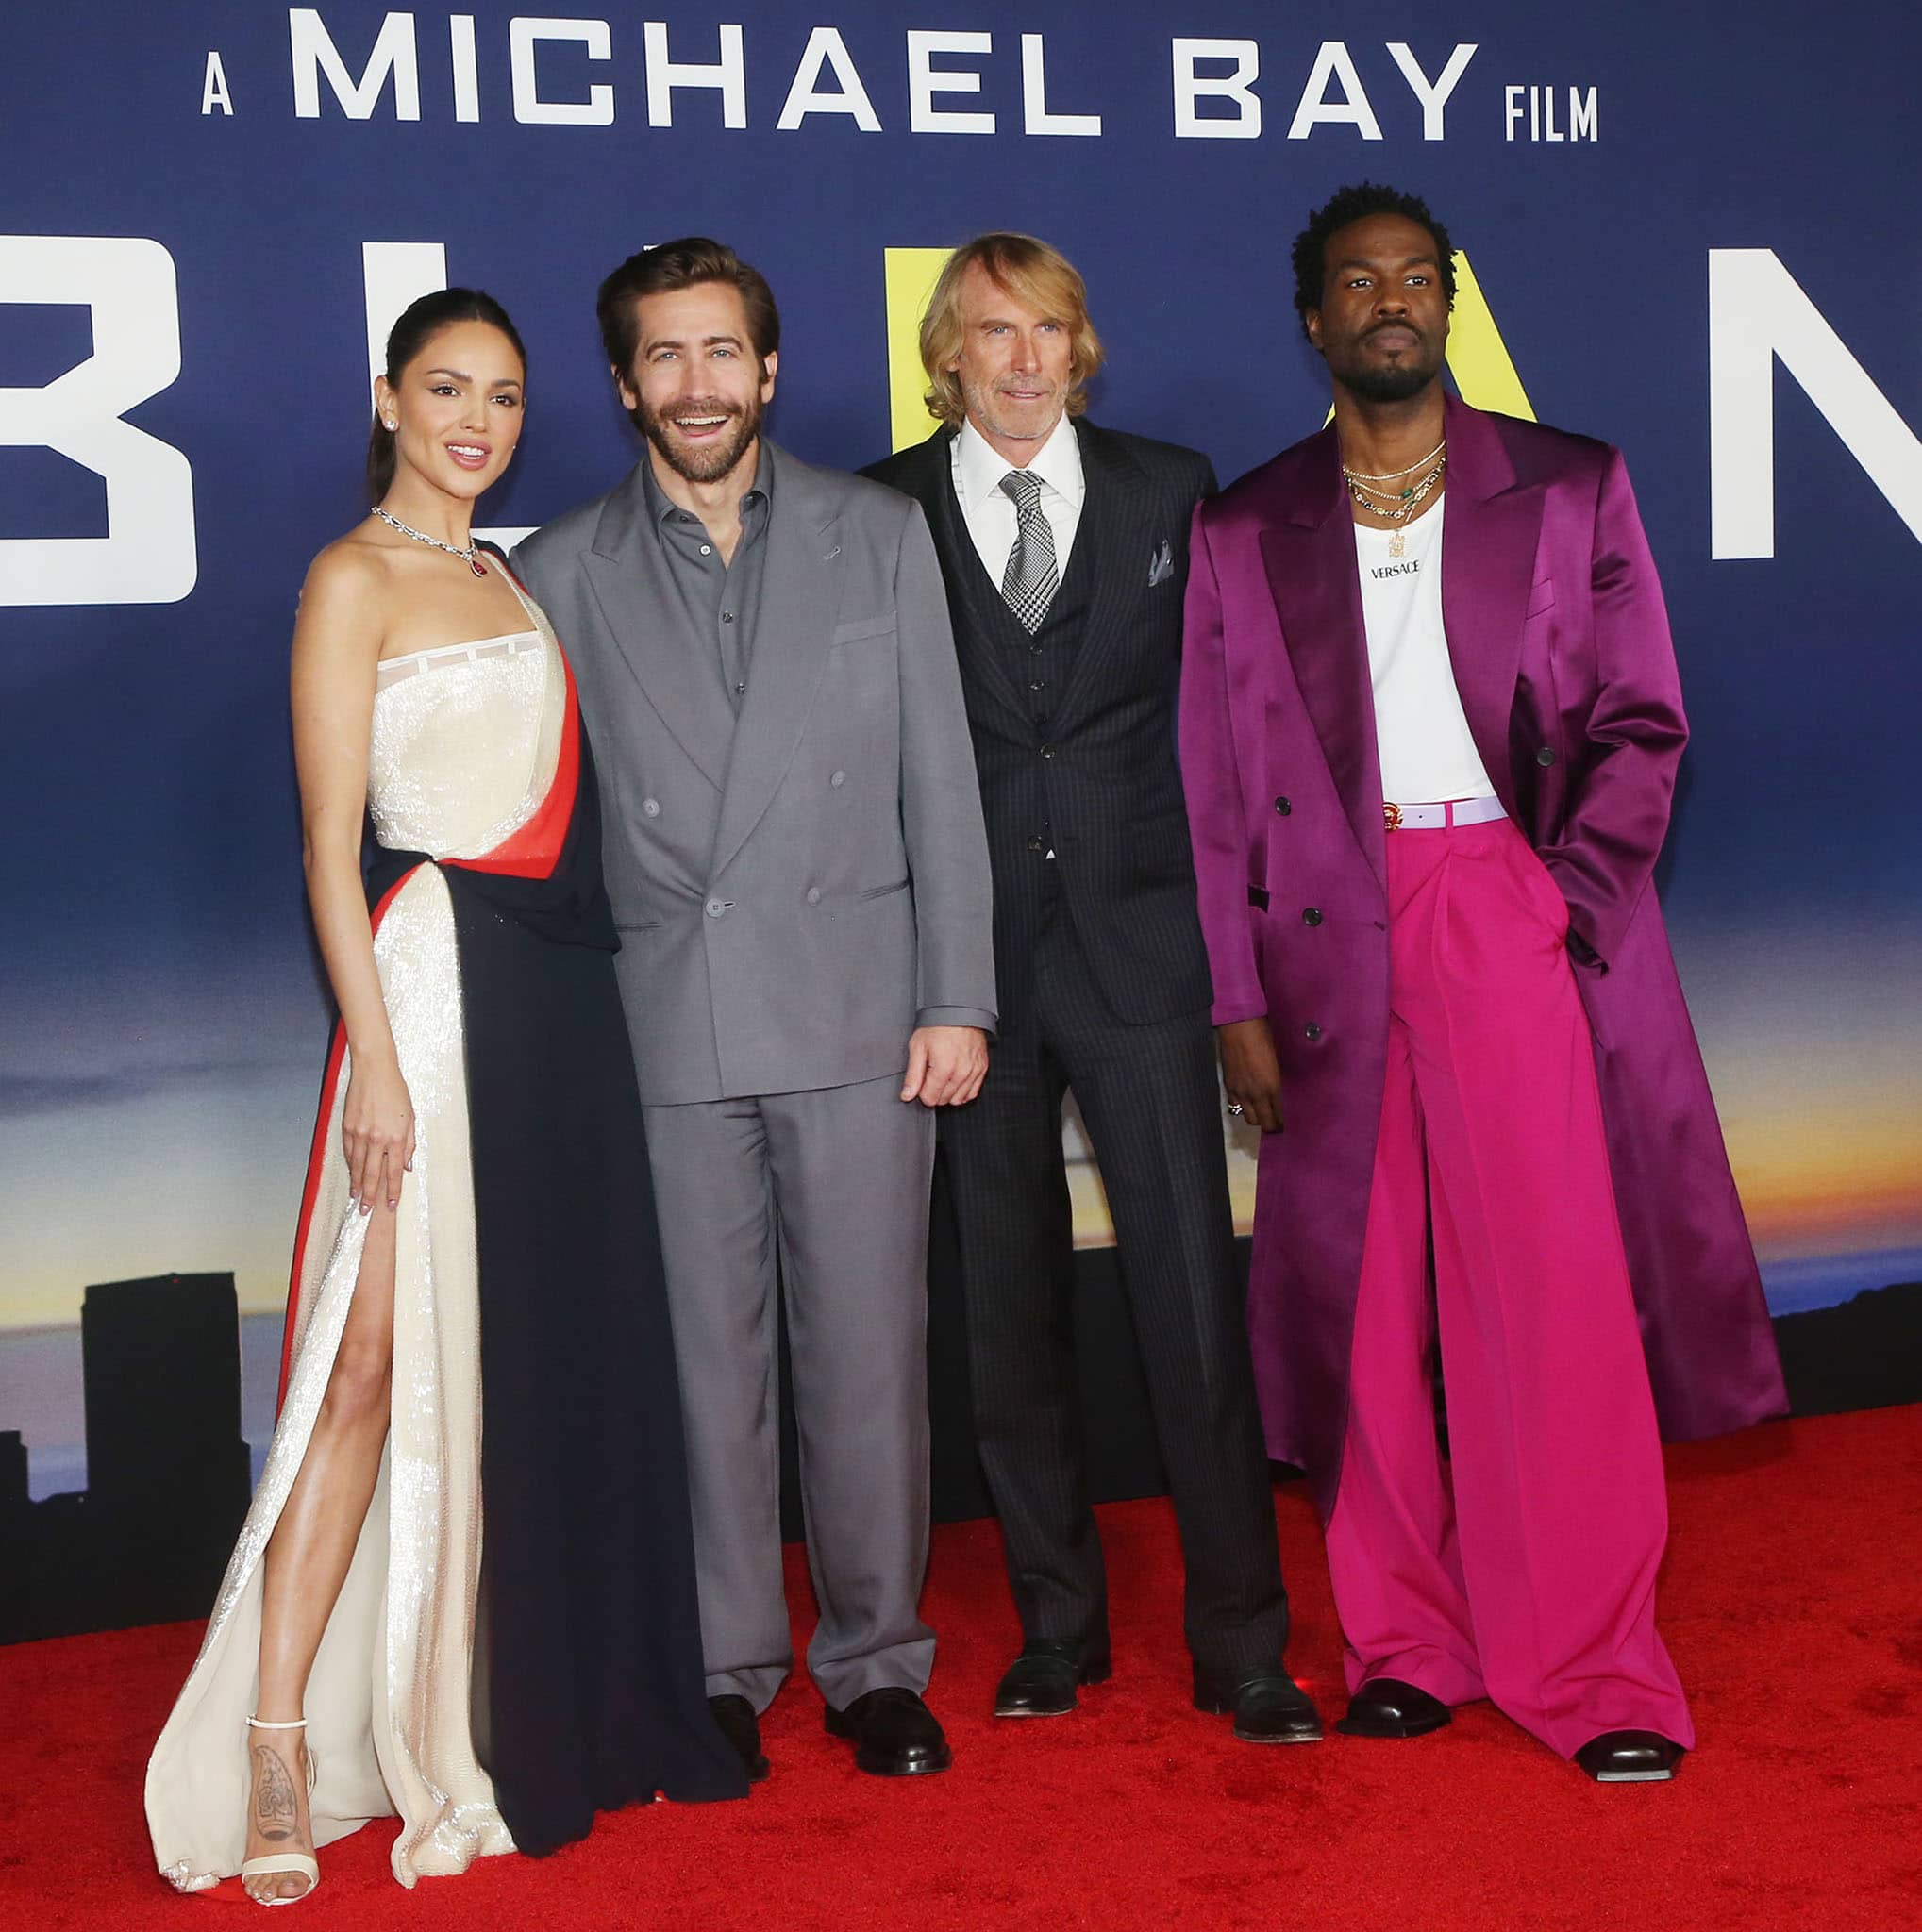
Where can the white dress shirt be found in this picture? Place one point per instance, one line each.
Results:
(988, 509)
(1427, 753)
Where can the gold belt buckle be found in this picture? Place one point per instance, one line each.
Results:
(1391, 815)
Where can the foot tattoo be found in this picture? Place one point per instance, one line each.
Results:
(279, 1866)
(276, 1806)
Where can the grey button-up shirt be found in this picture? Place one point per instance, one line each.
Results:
(718, 602)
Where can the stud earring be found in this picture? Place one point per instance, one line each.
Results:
(391, 422)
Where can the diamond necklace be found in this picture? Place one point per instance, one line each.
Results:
(467, 557)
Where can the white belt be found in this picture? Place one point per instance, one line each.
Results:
(1435, 818)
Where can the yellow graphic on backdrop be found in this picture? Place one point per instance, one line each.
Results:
(911, 273)
(1479, 360)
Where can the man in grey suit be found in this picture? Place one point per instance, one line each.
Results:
(795, 856)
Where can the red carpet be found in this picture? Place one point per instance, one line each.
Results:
(1793, 1605)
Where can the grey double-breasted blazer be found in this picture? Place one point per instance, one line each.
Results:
(799, 886)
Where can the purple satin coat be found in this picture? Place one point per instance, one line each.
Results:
(1562, 654)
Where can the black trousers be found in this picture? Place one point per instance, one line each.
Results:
(1149, 1096)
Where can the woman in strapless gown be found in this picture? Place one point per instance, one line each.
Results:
(464, 1593)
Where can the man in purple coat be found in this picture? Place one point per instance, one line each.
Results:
(1429, 728)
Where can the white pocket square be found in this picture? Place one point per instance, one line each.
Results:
(1161, 564)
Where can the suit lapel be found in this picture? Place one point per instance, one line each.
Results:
(1113, 541)
(800, 597)
(1489, 542)
(627, 577)
(1309, 554)
(973, 596)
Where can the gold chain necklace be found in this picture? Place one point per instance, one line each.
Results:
(1404, 502)
(1389, 476)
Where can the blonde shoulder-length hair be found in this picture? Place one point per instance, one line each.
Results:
(1039, 278)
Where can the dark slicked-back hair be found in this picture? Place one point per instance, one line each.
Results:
(675, 265)
(1356, 204)
(418, 323)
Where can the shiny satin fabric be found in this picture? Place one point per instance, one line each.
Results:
(1566, 672)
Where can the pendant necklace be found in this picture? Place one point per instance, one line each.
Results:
(468, 556)
(1399, 505)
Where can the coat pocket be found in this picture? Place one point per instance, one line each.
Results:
(861, 628)
(882, 892)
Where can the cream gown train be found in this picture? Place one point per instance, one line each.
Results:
(517, 1644)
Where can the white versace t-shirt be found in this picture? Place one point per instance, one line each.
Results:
(1427, 752)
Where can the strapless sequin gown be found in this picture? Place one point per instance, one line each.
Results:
(517, 1643)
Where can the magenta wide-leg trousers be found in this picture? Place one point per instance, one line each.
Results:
(1523, 1569)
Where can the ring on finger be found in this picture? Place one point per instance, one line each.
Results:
(1235, 1108)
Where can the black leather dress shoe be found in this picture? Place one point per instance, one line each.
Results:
(741, 1728)
(1630, 1758)
(1387, 1708)
(895, 1734)
(1269, 1706)
(1041, 1682)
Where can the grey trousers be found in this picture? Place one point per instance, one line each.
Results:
(835, 1182)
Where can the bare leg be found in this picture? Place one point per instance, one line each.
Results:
(307, 1558)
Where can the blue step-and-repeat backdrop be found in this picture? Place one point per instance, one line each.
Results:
(1690, 230)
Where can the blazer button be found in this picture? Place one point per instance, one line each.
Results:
(813, 896)
(1047, 751)
(651, 806)
(715, 908)
(1310, 915)
(839, 780)
(1546, 756)
(1312, 1031)
(1282, 806)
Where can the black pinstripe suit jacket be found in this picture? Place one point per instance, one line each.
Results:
(1098, 772)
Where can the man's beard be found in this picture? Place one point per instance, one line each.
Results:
(986, 404)
(706, 462)
(1388, 382)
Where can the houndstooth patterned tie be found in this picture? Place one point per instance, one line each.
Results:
(1031, 580)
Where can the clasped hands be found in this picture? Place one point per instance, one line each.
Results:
(945, 1065)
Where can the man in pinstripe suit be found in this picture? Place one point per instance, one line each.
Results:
(1065, 553)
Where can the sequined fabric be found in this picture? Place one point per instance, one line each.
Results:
(428, 716)
(464, 746)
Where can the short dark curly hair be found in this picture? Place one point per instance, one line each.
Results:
(1356, 204)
